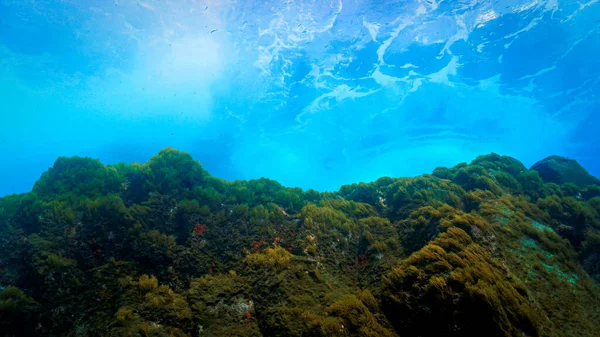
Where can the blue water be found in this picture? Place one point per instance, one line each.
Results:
(314, 94)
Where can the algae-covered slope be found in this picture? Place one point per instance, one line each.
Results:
(165, 249)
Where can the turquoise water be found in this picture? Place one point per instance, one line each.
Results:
(314, 94)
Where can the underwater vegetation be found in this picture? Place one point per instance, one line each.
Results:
(488, 248)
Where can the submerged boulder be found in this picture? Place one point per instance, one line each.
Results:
(561, 170)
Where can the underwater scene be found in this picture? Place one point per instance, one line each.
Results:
(304, 168)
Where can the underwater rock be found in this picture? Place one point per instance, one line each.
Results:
(457, 284)
(165, 249)
(561, 170)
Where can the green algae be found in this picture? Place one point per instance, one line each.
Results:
(506, 212)
(567, 277)
(164, 248)
(538, 225)
(528, 242)
(501, 220)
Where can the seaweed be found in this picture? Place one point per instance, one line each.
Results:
(165, 249)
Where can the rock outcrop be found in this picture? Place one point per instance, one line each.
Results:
(561, 170)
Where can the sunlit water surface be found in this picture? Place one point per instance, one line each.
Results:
(314, 94)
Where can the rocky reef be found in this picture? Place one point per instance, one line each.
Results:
(488, 248)
(560, 170)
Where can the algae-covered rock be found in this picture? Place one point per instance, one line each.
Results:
(561, 170)
(18, 313)
(453, 287)
(487, 248)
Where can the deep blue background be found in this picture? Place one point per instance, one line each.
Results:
(314, 94)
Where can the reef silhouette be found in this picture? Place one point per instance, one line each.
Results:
(489, 248)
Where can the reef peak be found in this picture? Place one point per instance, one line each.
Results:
(562, 170)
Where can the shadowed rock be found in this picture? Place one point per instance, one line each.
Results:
(560, 170)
